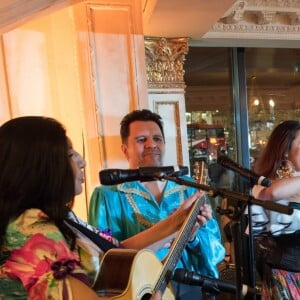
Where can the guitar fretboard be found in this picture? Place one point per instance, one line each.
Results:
(178, 246)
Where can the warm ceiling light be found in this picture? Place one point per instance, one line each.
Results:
(256, 102)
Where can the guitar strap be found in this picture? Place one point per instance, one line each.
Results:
(101, 242)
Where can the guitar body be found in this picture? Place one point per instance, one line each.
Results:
(129, 274)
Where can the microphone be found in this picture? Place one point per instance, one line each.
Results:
(115, 176)
(227, 163)
(209, 284)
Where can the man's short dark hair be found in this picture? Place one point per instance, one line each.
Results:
(139, 115)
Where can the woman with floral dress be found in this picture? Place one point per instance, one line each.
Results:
(41, 255)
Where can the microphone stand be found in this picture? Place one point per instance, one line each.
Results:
(251, 260)
(225, 193)
(236, 225)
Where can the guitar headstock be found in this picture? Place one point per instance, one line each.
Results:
(201, 172)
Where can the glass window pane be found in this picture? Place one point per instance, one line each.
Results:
(209, 109)
(273, 77)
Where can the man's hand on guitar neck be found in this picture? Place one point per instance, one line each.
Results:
(204, 215)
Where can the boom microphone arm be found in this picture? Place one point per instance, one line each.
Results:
(213, 192)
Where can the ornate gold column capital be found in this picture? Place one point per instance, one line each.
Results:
(164, 61)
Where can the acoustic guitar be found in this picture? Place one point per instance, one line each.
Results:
(136, 275)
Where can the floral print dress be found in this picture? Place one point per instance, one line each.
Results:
(36, 259)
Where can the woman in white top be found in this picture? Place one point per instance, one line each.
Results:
(277, 235)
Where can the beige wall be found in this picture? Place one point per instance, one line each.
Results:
(83, 65)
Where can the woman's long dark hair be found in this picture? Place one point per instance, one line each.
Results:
(279, 144)
(35, 171)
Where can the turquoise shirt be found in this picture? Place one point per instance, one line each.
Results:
(127, 209)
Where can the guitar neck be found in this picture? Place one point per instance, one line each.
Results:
(177, 246)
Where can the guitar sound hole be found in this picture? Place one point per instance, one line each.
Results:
(147, 296)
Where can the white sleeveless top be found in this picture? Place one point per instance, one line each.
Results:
(267, 221)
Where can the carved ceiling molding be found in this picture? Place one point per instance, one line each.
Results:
(260, 17)
(164, 61)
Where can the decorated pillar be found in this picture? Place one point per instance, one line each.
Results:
(165, 76)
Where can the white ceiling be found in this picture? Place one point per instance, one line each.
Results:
(239, 23)
(182, 18)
